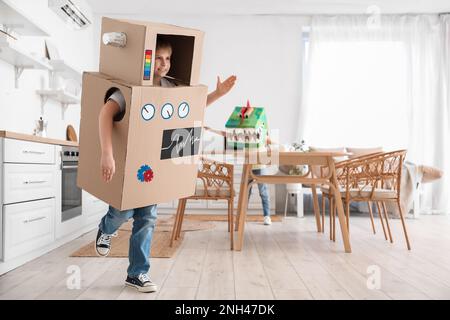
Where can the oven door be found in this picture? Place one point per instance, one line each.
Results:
(71, 194)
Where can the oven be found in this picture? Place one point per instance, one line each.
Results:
(70, 193)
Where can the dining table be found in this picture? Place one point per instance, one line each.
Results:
(248, 158)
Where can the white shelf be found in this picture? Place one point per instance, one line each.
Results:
(60, 96)
(14, 20)
(19, 58)
(65, 98)
(66, 71)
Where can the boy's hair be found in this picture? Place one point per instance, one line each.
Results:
(162, 42)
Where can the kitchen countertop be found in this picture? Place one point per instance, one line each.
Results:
(30, 137)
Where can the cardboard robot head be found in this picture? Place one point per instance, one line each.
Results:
(128, 48)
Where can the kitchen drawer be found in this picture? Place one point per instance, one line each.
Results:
(28, 226)
(24, 182)
(18, 151)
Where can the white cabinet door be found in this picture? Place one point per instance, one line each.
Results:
(28, 226)
(18, 151)
(24, 182)
(93, 208)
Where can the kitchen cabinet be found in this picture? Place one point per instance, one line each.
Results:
(18, 151)
(25, 182)
(93, 209)
(28, 226)
(28, 196)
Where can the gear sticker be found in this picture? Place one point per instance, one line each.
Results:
(145, 173)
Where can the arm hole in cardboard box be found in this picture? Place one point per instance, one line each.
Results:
(119, 116)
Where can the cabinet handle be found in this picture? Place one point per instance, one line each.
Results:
(37, 181)
(69, 167)
(35, 219)
(34, 152)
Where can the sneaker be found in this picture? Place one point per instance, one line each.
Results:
(267, 220)
(142, 283)
(103, 243)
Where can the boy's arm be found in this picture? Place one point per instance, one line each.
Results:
(222, 88)
(219, 132)
(105, 124)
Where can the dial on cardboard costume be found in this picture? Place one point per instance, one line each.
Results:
(157, 140)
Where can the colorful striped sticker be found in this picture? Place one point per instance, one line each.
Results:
(147, 64)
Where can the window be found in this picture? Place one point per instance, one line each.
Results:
(356, 94)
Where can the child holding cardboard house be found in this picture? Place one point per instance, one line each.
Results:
(144, 216)
(247, 128)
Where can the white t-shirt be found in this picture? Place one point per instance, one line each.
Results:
(118, 97)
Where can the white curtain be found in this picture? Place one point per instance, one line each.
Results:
(381, 82)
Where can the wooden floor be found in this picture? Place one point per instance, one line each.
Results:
(286, 260)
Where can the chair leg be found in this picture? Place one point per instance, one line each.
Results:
(323, 213)
(387, 221)
(381, 219)
(286, 203)
(331, 217)
(230, 222)
(369, 204)
(180, 221)
(230, 226)
(403, 224)
(333, 213)
(175, 223)
(316, 208)
(347, 213)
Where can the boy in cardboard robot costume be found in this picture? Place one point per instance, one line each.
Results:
(137, 123)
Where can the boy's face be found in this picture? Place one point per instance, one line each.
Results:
(162, 61)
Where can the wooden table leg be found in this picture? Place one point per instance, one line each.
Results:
(242, 206)
(340, 210)
(316, 208)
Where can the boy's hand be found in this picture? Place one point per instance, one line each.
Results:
(108, 166)
(222, 88)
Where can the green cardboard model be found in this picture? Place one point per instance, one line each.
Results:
(246, 128)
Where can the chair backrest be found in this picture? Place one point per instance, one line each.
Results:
(215, 176)
(368, 173)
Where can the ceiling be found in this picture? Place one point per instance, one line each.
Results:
(275, 7)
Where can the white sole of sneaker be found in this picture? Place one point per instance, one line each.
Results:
(151, 288)
(98, 253)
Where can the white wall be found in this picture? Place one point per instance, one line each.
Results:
(263, 51)
(19, 108)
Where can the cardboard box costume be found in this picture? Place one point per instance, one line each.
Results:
(157, 141)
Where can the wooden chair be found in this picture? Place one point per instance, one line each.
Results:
(371, 179)
(326, 194)
(215, 183)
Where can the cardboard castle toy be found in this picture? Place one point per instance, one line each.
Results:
(246, 128)
(157, 141)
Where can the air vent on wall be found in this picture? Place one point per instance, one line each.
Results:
(71, 11)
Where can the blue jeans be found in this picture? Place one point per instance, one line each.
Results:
(141, 234)
(263, 193)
